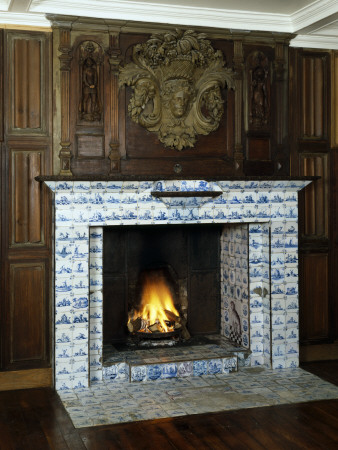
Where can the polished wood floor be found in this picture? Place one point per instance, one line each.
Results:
(35, 419)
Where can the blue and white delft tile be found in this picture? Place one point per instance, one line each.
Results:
(229, 364)
(114, 186)
(64, 335)
(200, 367)
(292, 319)
(80, 317)
(138, 373)
(64, 250)
(96, 376)
(96, 299)
(63, 352)
(169, 370)
(80, 269)
(98, 186)
(278, 337)
(291, 335)
(80, 334)
(215, 366)
(63, 186)
(185, 369)
(154, 372)
(63, 318)
(63, 268)
(64, 234)
(80, 285)
(291, 304)
(81, 187)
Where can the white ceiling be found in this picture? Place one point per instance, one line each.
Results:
(314, 21)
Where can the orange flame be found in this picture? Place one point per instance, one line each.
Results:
(156, 298)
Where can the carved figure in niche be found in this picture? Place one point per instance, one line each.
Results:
(177, 79)
(90, 106)
(260, 90)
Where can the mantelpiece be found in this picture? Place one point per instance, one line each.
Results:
(264, 210)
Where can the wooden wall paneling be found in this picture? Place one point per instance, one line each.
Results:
(316, 196)
(310, 155)
(27, 313)
(1, 87)
(27, 223)
(334, 97)
(314, 301)
(314, 96)
(334, 190)
(28, 83)
(334, 238)
(26, 219)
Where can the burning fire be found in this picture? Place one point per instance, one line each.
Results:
(156, 312)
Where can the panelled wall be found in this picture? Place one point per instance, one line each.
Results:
(313, 93)
(26, 216)
(39, 83)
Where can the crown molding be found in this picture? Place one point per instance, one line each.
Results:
(170, 14)
(313, 13)
(308, 41)
(25, 19)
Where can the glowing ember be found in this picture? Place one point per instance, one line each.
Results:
(156, 312)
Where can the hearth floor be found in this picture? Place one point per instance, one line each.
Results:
(109, 402)
(202, 355)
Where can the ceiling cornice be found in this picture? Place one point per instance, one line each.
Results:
(171, 14)
(313, 13)
(24, 19)
(308, 41)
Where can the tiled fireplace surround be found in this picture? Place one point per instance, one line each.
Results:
(259, 261)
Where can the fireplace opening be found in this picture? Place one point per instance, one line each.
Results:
(178, 265)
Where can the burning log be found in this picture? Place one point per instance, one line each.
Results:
(155, 327)
(171, 316)
(134, 325)
(185, 333)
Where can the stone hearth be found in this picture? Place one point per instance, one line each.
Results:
(259, 263)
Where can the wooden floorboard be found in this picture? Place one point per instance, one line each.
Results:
(36, 419)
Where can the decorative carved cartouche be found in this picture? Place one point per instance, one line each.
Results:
(177, 79)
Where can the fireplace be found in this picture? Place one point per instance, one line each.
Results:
(186, 259)
(256, 300)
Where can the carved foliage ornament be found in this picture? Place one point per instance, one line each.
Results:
(177, 79)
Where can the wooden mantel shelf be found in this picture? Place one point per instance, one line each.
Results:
(120, 177)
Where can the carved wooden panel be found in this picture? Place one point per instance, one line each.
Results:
(90, 146)
(316, 196)
(334, 106)
(1, 87)
(28, 79)
(90, 103)
(314, 96)
(27, 312)
(334, 236)
(146, 154)
(26, 218)
(314, 300)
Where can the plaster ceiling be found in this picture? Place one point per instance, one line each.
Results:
(314, 21)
